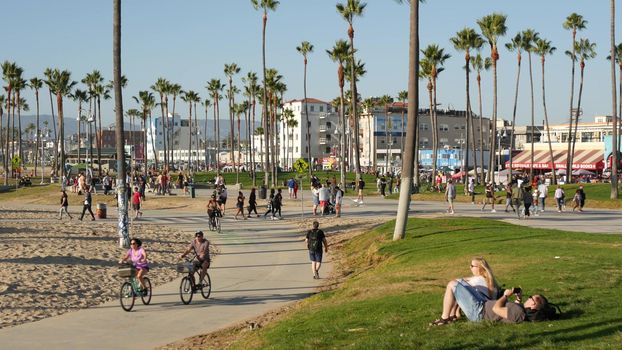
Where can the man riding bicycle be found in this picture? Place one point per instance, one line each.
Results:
(213, 209)
(200, 246)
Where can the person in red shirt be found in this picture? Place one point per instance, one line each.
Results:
(136, 201)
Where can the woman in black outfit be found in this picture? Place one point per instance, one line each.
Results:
(252, 203)
(270, 204)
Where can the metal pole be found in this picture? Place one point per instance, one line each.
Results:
(42, 164)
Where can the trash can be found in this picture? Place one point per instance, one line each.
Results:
(101, 210)
(191, 188)
(262, 192)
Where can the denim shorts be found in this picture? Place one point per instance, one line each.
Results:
(315, 256)
(470, 300)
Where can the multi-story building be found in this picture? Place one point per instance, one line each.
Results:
(106, 139)
(322, 127)
(383, 135)
(180, 140)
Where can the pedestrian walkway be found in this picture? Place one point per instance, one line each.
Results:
(259, 268)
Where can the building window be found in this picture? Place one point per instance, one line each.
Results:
(423, 126)
(321, 108)
(312, 108)
(296, 149)
(443, 142)
(443, 127)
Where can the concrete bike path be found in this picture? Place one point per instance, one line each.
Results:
(262, 265)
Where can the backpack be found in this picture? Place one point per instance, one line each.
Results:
(314, 243)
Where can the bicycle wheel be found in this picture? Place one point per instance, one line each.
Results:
(217, 224)
(146, 295)
(185, 290)
(127, 296)
(206, 286)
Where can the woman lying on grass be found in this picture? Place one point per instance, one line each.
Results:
(483, 282)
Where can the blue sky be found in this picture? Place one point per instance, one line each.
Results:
(189, 41)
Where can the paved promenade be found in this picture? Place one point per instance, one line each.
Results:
(262, 265)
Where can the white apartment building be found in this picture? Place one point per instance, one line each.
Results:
(323, 129)
(180, 142)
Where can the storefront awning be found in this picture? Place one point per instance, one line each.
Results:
(583, 159)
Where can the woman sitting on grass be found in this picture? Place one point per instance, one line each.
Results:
(483, 281)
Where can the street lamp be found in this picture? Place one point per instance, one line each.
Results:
(44, 135)
(89, 120)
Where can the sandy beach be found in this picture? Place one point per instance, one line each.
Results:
(50, 267)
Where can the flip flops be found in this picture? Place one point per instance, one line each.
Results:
(441, 321)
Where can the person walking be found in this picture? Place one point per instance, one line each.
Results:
(490, 197)
(270, 209)
(527, 200)
(315, 198)
(472, 190)
(290, 187)
(576, 200)
(582, 197)
(361, 186)
(450, 195)
(64, 203)
(315, 238)
(559, 198)
(543, 190)
(383, 186)
(88, 200)
(136, 202)
(252, 203)
(324, 196)
(240, 206)
(277, 204)
(295, 189)
(508, 197)
(338, 201)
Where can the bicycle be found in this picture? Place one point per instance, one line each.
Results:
(130, 289)
(188, 286)
(214, 223)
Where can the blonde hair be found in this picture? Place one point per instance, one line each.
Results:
(486, 271)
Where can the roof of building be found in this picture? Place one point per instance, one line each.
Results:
(308, 100)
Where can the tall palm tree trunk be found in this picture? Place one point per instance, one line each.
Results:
(99, 137)
(217, 121)
(532, 118)
(7, 161)
(434, 131)
(38, 137)
(190, 134)
(265, 103)
(153, 148)
(307, 116)
(511, 160)
(354, 97)
(413, 107)
(468, 125)
(79, 122)
(615, 160)
(123, 229)
(494, 121)
(569, 155)
(55, 162)
(342, 141)
(576, 121)
(481, 126)
(19, 131)
(548, 130)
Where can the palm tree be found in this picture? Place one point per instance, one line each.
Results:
(408, 162)
(402, 96)
(574, 22)
(518, 44)
(618, 60)
(19, 85)
(174, 90)
(543, 47)
(2, 102)
(100, 91)
(291, 124)
(305, 48)
(147, 103)
(191, 97)
(36, 84)
(94, 82)
(339, 54)
(215, 87)
(62, 85)
(124, 238)
(614, 164)
(478, 63)
(48, 74)
(239, 109)
(466, 40)
(436, 57)
(585, 50)
(251, 91)
(529, 38)
(80, 96)
(162, 87)
(265, 5)
(10, 72)
(425, 72)
(492, 27)
(231, 70)
(349, 10)
(206, 103)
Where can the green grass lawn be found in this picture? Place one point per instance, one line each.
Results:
(395, 289)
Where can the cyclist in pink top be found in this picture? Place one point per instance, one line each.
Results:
(138, 256)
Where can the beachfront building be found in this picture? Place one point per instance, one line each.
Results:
(383, 137)
(179, 144)
(323, 128)
(590, 147)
